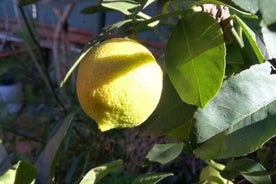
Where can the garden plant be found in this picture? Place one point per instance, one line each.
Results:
(210, 97)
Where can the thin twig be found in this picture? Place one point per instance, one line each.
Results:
(39, 67)
(31, 34)
(62, 18)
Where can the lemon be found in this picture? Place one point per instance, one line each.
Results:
(119, 83)
(212, 176)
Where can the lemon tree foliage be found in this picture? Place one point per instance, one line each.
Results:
(165, 113)
(164, 153)
(20, 173)
(211, 174)
(151, 178)
(95, 174)
(243, 113)
(195, 58)
(250, 169)
(215, 97)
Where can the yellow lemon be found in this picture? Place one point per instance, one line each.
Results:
(119, 83)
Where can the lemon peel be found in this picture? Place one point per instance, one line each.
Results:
(119, 83)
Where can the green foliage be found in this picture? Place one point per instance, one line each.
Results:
(164, 153)
(195, 58)
(95, 174)
(251, 6)
(268, 13)
(20, 173)
(251, 37)
(150, 178)
(126, 7)
(166, 113)
(237, 114)
(250, 169)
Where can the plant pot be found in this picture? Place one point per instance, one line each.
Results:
(11, 97)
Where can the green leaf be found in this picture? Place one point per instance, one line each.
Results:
(251, 6)
(95, 174)
(45, 162)
(240, 118)
(268, 12)
(164, 153)
(170, 113)
(129, 7)
(25, 173)
(249, 169)
(22, 3)
(250, 35)
(195, 58)
(94, 9)
(270, 41)
(150, 178)
(126, 7)
(21, 173)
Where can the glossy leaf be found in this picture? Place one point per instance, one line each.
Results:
(250, 35)
(95, 174)
(267, 8)
(150, 178)
(243, 113)
(195, 58)
(21, 173)
(270, 41)
(249, 169)
(45, 162)
(164, 153)
(170, 113)
(129, 7)
(251, 6)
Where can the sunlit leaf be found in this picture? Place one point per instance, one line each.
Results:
(249, 169)
(95, 174)
(243, 113)
(250, 5)
(270, 41)
(195, 58)
(150, 178)
(250, 35)
(20, 173)
(267, 8)
(126, 7)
